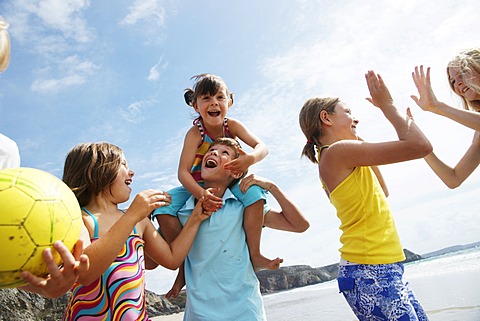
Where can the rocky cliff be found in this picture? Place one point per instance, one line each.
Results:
(291, 277)
(19, 305)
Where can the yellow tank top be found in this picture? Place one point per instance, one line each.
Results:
(369, 233)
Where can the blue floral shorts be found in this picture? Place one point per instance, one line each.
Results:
(379, 292)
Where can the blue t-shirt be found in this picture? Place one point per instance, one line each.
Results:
(221, 282)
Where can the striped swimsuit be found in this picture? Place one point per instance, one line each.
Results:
(119, 293)
(207, 140)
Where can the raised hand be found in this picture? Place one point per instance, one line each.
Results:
(146, 201)
(427, 100)
(380, 95)
(240, 164)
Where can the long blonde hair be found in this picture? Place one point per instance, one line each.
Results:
(4, 45)
(311, 124)
(468, 64)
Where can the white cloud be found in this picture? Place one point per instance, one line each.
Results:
(145, 10)
(156, 71)
(76, 73)
(44, 16)
(45, 86)
(65, 16)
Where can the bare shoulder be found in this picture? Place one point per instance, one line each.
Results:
(193, 135)
(234, 123)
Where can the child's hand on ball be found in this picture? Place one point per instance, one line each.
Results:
(59, 280)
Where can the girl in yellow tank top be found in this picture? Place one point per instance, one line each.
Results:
(371, 273)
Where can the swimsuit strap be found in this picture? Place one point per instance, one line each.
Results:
(198, 122)
(203, 131)
(95, 222)
(226, 131)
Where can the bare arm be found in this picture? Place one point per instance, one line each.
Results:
(411, 143)
(171, 255)
(344, 155)
(290, 218)
(190, 145)
(171, 228)
(105, 249)
(260, 150)
(454, 177)
(428, 102)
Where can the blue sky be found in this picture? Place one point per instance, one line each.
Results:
(115, 71)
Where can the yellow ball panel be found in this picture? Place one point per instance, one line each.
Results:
(14, 205)
(11, 279)
(35, 263)
(38, 184)
(7, 179)
(46, 221)
(16, 247)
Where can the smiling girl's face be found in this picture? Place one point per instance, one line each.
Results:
(459, 86)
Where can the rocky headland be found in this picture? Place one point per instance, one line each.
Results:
(25, 306)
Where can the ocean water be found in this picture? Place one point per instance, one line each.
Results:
(447, 286)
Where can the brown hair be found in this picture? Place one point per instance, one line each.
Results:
(311, 124)
(90, 168)
(233, 144)
(205, 84)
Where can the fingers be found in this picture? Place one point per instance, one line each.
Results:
(248, 181)
(160, 198)
(380, 81)
(172, 293)
(409, 113)
(32, 279)
(52, 266)
(82, 263)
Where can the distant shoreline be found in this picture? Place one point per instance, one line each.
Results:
(447, 250)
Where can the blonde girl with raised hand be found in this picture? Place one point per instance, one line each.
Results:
(371, 273)
(211, 99)
(463, 73)
(118, 243)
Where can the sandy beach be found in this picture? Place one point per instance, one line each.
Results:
(446, 286)
(171, 317)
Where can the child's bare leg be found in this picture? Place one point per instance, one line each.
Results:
(253, 224)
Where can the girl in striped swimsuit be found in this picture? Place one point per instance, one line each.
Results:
(119, 243)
